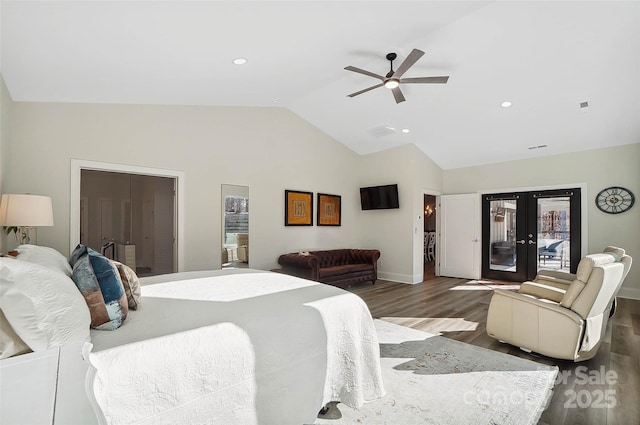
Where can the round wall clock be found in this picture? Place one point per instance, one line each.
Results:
(615, 200)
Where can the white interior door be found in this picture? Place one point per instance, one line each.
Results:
(460, 236)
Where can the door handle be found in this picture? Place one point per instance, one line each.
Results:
(532, 242)
(521, 242)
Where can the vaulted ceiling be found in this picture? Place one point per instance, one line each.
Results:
(545, 57)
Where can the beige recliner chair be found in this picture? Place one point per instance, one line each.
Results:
(561, 315)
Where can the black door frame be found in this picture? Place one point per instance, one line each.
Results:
(525, 244)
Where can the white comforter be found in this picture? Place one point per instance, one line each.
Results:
(245, 347)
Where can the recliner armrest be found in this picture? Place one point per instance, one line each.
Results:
(540, 303)
(538, 325)
(540, 290)
(555, 278)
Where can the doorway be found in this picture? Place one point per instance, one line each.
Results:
(78, 207)
(524, 232)
(131, 219)
(429, 239)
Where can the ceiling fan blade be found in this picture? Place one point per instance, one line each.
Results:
(365, 90)
(432, 80)
(408, 62)
(397, 94)
(362, 71)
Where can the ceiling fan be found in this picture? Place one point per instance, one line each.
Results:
(392, 80)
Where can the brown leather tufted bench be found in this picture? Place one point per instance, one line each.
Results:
(338, 267)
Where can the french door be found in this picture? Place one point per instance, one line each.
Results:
(523, 232)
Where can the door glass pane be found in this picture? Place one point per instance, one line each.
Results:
(554, 237)
(502, 234)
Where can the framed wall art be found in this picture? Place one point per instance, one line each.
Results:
(329, 211)
(298, 208)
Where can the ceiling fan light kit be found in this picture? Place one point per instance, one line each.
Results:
(391, 83)
(392, 79)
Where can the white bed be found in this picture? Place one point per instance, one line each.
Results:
(234, 347)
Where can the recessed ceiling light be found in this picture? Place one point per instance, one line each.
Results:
(239, 61)
(405, 130)
(506, 104)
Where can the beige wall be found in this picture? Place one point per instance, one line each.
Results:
(398, 233)
(597, 169)
(5, 121)
(267, 149)
(270, 150)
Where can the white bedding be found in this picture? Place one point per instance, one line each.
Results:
(236, 347)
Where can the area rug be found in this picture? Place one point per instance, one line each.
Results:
(430, 379)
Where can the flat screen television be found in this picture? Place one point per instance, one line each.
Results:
(379, 197)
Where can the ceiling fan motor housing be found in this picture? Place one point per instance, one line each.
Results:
(391, 57)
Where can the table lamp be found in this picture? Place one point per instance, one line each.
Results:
(25, 212)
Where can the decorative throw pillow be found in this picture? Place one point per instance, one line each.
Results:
(44, 309)
(44, 256)
(10, 343)
(131, 284)
(99, 282)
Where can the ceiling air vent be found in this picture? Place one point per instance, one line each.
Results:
(381, 131)
(537, 147)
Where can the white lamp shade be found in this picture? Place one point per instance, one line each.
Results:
(26, 211)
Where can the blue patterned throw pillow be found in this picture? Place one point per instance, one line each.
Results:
(99, 282)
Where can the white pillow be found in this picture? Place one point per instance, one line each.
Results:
(45, 309)
(44, 256)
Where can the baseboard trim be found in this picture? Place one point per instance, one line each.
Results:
(395, 277)
(632, 293)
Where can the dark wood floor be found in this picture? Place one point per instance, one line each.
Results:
(602, 391)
